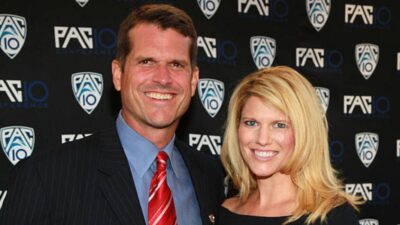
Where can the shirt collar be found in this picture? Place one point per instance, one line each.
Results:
(140, 152)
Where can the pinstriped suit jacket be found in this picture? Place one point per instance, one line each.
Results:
(88, 182)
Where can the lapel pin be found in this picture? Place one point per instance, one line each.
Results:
(212, 218)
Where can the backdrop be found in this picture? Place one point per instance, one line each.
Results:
(55, 77)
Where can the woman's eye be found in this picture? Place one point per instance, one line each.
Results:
(281, 125)
(250, 123)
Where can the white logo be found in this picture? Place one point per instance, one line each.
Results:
(209, 7)
(367, 147)
(352, 11)
(213, 142)
(363, 102)
(82, 3)
(13, 30)
(398, 148)
(87, 88)
(368, 222)
(261, 6)
(3, 195)
(72, 137)
(367, 56)
(211, 93)
(12, 88)
(263, 50)
(364, 190)
(318, 12)
(84, 35)
(315, 54)
(209, 46)
(323, 94)
(17, 142)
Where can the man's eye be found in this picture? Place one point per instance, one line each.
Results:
(144, 61)
(250, 123)
(176, 65)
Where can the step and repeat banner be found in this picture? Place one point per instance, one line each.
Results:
(56, 86)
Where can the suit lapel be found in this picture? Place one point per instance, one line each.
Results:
(116, 180)
(198, 177)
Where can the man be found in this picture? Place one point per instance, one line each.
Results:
(106, 178)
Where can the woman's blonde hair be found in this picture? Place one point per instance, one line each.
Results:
(319, 189)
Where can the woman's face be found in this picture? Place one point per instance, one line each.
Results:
(266, 138)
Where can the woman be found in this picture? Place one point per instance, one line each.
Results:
(276, 154)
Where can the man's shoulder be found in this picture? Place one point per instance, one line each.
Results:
(81, 150)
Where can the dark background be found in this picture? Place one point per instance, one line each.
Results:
(49, 106)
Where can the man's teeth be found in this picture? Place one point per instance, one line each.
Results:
(264, 153)
(159, 96)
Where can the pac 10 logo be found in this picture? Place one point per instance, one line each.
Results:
(372, 193)
(88, 89)
(13, 31)
(17, 142)
(85, 40)
(216, 51)
(24, 94)
(73, 137)
(212, 142)
(318, 12)
(366, 105)
(276, 10)
(368, 15)
(209, 7)
(336, 151)
(369, 221)
(3, 194)
(319, 59)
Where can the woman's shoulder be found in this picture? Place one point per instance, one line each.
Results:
(231, 203)
(343, 214)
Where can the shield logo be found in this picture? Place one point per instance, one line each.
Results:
(324, 95)
(367, 146)
(82, 3)
(369, 222)
(87, 88)
(17, 142)
(367, 56)
(211, 93)
(263, 50)
(318, 12)
(209, 7)
(13, 30)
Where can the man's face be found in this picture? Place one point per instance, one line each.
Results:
(157, 81)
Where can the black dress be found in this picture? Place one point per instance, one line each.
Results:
(341, 215)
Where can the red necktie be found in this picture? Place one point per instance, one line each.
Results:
(161, 203)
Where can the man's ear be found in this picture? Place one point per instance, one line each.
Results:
(116, 70)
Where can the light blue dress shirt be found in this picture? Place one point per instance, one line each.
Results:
(141, 154)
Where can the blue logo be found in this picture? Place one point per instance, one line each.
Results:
(318, 12)
(263, 50)
(23, 94)
(324, 96)
(211, 93)
(209, 7)
(87, 88)
(367, 57)
(17, 142)
(367, 147)
(85, 40)
(13, 30)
